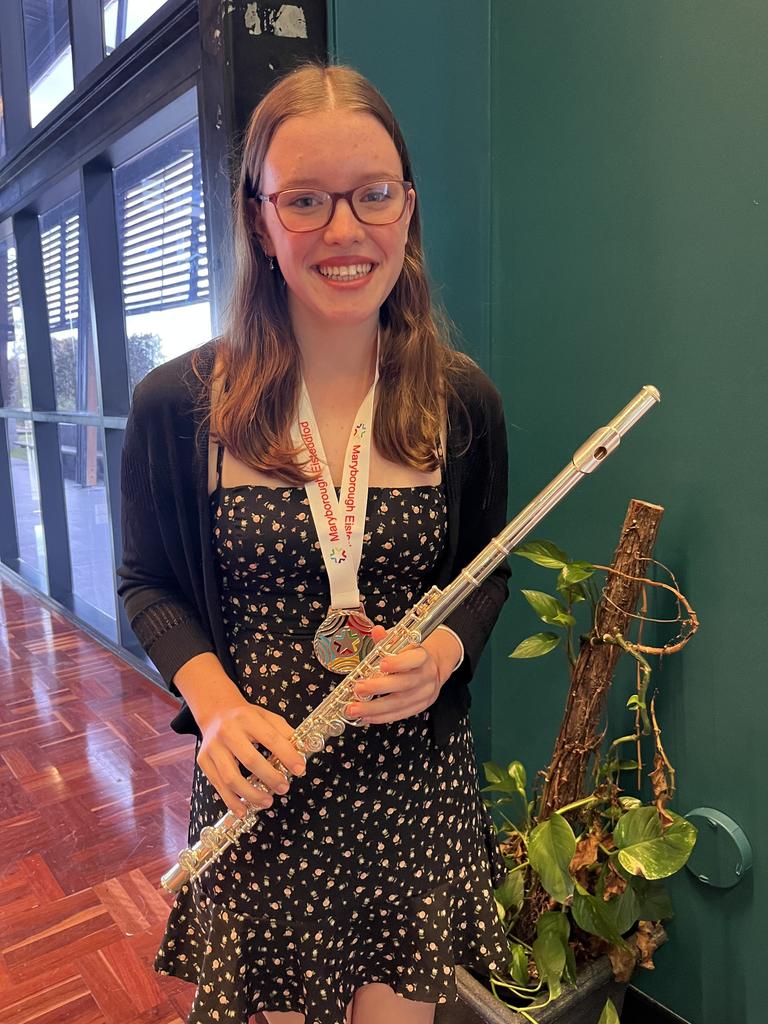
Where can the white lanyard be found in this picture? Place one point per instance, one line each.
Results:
(340, 522)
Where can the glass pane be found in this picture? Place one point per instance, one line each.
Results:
(26, 493)
(163, 252)
(65, 291)
(122, 17)
(14, 376)
(2, 122)
(49, 55)
(82, 466)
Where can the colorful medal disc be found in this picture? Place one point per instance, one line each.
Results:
(343, 639)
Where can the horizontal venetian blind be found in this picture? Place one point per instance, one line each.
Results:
(162, 236)
(61, 266)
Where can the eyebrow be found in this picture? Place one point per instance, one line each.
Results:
(317, 183)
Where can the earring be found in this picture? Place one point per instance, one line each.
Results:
(271, 262)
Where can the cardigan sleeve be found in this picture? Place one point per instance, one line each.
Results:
(483, 515)
(161, 614)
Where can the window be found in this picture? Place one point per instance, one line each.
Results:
(65, 292)
(26, 493)
(2, 120)
(14, 377)
(49, 55)
(82, 468)
(122, 17)
(163, 252)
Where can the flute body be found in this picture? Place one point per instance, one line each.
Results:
(328, 719)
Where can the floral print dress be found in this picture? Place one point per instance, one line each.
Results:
(379, 864)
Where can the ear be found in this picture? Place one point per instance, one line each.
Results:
(257, 226)
(410, 205)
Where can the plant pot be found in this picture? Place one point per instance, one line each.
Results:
(579, 1004)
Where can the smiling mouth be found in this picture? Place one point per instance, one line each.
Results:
(352, 272)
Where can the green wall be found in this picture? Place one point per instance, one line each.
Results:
(442, 101)
(619, 240)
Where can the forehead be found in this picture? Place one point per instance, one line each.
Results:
(331, 147)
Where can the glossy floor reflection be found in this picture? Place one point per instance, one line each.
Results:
(94, 800)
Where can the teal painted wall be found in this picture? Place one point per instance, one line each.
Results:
(630, 246)
(616, 155)
(430, 60)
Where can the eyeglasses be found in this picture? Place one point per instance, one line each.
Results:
(307, 209)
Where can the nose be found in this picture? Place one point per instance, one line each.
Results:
(343, 226)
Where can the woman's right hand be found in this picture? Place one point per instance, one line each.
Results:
(229, 733)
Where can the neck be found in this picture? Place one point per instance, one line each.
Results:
(343, 354)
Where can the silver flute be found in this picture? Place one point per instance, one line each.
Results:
(329, 719)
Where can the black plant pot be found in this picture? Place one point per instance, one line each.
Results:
(580, 1004)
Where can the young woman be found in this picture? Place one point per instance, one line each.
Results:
(289, 491)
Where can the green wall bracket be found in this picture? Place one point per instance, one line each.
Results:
(722, 854)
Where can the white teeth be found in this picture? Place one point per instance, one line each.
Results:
(347, 273)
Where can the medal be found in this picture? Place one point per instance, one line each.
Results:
(343, 638)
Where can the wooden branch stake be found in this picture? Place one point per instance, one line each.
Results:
(581, 730)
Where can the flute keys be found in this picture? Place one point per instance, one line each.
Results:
(210, 838)
(187, 861)
(314, 742)
(336, 727)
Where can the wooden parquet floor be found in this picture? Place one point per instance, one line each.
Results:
(94, 801)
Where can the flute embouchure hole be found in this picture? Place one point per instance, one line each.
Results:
(600, 453)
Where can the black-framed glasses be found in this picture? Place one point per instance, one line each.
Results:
(307, 209)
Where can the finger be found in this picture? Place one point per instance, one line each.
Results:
(229, 793)
(271, 735)
(258, 765)
(378, 633)
(405, 661)
(386, 718)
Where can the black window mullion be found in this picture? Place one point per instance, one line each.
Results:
(9, 539)
(85, 26)
(102, 253)
(29, 256)
(14, 71)
(53, 510)
(113, 448)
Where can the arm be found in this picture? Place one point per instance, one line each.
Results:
(162, 616)
(483, 515)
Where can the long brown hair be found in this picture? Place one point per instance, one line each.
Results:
(257, 360)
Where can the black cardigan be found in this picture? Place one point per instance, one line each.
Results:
(168, 575)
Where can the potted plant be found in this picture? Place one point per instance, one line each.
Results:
(583, 900)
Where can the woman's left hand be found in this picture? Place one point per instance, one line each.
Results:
(411, 682)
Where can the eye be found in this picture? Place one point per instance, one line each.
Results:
(375, 194)
(305, 200)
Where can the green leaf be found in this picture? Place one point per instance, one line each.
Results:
(623, 910)
(551, 846)
(575, 572)
(590, 914)
(542, 552)
(644, 851)
(629, 803)
(496, 776)
(570, 966)
(609, 1014)
(536, 645)
(516, 772)
(571, 594)
(549, 954)
(518, 965)
(653, 899)
(554, 921)
(637, 826)
(510, 892)
(545, 606)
